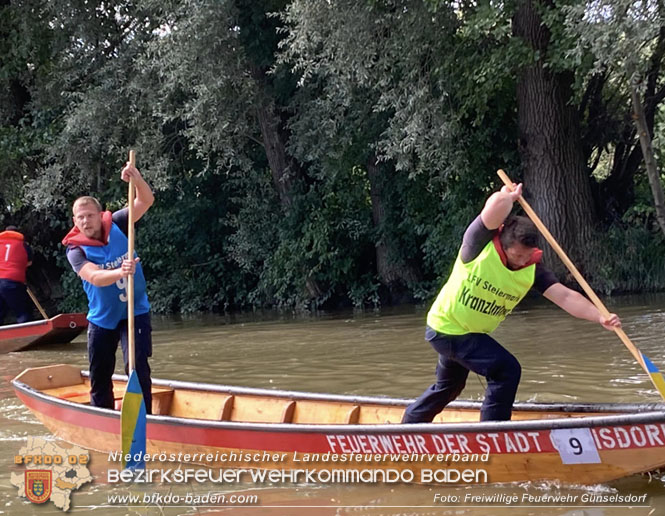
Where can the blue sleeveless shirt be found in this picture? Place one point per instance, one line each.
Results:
(107, 306)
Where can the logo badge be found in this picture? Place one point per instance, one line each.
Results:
(38, 485)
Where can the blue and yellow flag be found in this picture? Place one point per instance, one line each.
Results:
(655, 374)
(132, 425)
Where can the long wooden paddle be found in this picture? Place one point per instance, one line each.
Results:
(34, 300)
(133, 414)
(653, 372)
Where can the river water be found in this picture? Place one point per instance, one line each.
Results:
(368, 353)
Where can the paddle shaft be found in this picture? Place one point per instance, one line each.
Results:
(573, 270)
(133, 422)
(34, 300)
(130, 278)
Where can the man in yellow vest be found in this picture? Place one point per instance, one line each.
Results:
(497, 265)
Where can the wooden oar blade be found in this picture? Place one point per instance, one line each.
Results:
(133, 425)
(655, 375)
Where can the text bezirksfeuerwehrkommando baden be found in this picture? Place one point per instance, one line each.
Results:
(299, 476)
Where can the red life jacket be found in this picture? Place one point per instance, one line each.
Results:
(75, 238)
(13, 256)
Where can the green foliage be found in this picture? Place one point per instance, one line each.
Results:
(630, 255)
(405, 104)
(627, 259)
(73, 299)
(327, 237)
(618, 33)
(374, 68)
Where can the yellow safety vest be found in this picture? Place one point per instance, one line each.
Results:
(479, 295)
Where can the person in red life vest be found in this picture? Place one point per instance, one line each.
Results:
(498, 263)
(15, 258)
(97, 251)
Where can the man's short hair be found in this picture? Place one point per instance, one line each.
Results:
(518, 229)
(87, 199)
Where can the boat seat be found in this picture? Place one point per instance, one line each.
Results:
(68, 392)
(216, 406)
(161, 396)
(227, 411)
(83, 399)
(353, 416)
(227, 408)
(452, 415)
(213, 406)
(287, 414)
(380, 414)
(325, 412)
(259, 409)
(161, 400)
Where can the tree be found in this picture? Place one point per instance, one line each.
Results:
(627, 39)
(380, 105)
(24, 43)
(310, 154)
(553, 162)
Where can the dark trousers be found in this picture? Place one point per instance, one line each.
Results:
(102, 345)
(14, 297)
(459, 354)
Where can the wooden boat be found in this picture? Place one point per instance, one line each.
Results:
(59, 329)
(258, 430)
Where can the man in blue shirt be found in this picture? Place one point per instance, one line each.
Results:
(97, 251)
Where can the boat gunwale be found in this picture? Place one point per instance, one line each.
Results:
(41, 322)
(628, 408)
(385, 428)
(29, 324)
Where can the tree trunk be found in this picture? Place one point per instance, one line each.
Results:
(616, 193)
(647, 152)
(555, 173)
(283, 170)
(278, 162)
(259, 37)
(397, 277)
(282, 167)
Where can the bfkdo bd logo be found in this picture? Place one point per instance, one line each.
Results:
(38, 483)
(51, 472)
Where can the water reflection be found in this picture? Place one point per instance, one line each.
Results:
(369, 353)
